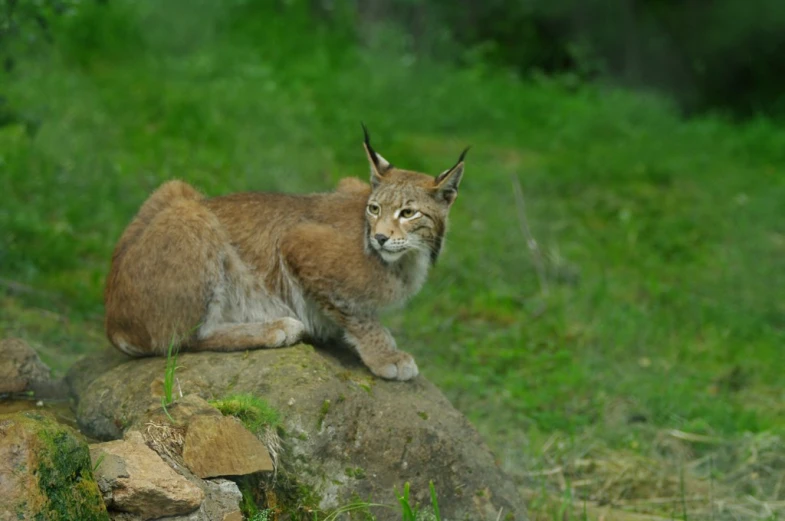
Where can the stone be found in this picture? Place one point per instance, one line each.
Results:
(347, 434)
(133, 478)
(45, 471)
(221, 446)
(221, 502)
(20, 368)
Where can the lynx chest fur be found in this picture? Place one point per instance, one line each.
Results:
(256, 270)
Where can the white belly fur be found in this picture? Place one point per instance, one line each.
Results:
(244, 299)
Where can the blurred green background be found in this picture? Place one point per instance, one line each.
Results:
(636, 354)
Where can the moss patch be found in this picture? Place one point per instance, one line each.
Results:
(293, 499)
(254, 412)
(61, 461)
(355, 473)
(323, 413)
(284, 496)
(251, 487)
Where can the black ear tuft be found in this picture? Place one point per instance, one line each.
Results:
(367, 141)
(463, 154)
(447, 173)
(460, 160)
(367, 138)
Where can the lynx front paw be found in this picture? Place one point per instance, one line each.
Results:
(396, 365)
(287, 331)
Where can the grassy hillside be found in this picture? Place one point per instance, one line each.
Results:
(648, 326)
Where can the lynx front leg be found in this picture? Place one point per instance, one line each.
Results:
(377, 349)
(333, 269)
(282, 332)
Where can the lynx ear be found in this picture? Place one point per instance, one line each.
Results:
(379, 165)
(447, 182)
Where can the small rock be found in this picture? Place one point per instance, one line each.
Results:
(134, 479)
(45, 471)
(20, 367)
(221, 502)
(224, 500)
(221, 446)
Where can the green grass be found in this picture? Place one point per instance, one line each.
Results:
(662, 240)
(248, 503)
(169, 374)
(410, 512)
(169, 377)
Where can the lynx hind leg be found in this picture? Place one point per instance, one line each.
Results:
(158, 286)
(167, 194)
(282, 332)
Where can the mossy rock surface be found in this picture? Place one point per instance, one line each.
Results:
(334, 416)
(45, 471)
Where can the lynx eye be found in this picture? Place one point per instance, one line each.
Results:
(373, 209)
(408, 213)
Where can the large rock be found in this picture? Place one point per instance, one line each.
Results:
(221, 446)
(347, 434)
(45, 471)
(88, 368)
(181, 411)
(21, 369)
(133, 478)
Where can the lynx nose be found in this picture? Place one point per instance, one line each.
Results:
(381, 238)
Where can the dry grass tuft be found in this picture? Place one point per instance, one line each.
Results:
(272, 441)
(734, 480)
(167, 440)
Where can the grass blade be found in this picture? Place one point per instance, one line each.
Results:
(406, 509)
(434, 501)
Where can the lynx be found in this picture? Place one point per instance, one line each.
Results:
(253, 270)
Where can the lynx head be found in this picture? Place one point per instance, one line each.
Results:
(407, 211)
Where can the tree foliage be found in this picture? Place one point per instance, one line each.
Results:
(723, 54)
